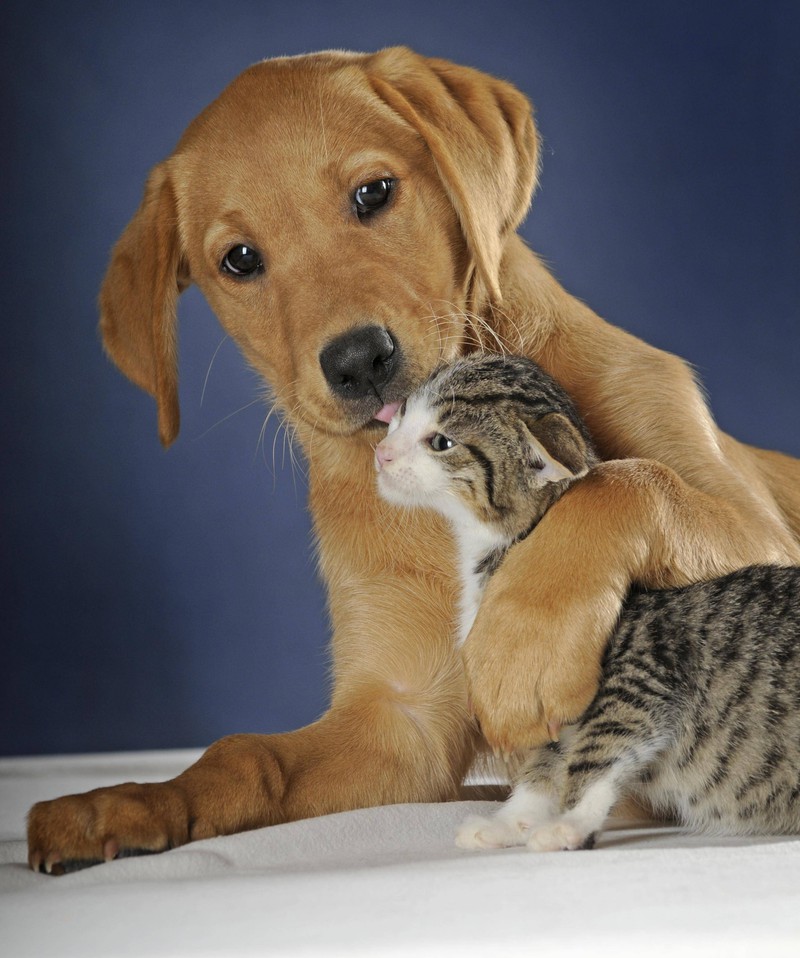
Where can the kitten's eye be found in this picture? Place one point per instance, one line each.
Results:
(440, 443)
(372, 196)
(241, 260)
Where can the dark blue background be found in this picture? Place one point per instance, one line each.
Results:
(165, 599)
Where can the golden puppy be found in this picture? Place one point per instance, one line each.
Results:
(351, 220)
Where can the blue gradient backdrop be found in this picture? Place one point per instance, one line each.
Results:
(164, 599)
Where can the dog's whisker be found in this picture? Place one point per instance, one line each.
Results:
(208, 371)
(480, 325)
(279, 430)
(512, 323)
(289, 425)
(477, 325)
(263, 430)
(454, 334)
(286, 431)
(290, 435)
(275, 406)
(310, 450)
(226, 418)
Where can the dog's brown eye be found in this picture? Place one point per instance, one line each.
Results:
(372, 196)
(242, 260)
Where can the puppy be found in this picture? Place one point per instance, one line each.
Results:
(351, 220)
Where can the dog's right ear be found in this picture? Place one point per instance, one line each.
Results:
(139, 296)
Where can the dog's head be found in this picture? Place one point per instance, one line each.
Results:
(342, 213)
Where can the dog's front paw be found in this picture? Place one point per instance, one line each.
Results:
(560, 836)
(532, 658)
(522, 689)
(76, 831)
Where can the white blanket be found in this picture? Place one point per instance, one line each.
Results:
(389, 881)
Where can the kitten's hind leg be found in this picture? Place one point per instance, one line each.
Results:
(601, 760)
(532, 803)
(577, 827)
(511, 825)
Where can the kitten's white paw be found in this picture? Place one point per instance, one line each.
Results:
(489, 833)
(558, 837)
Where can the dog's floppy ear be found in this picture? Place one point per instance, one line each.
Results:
(482, 137)
(139, 297)
(558, 448)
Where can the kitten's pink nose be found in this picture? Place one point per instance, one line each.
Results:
(383, 454)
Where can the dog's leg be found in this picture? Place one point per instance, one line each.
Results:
(362, 753)
(242, 782)
(533, 656)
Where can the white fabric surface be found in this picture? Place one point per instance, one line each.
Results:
(388, 881)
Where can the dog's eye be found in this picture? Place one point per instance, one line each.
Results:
(440, 443)
(242, 260)
(372, 196)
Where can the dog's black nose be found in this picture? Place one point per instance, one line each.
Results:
(359, 362)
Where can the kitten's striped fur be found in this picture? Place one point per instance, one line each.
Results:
(699, 706)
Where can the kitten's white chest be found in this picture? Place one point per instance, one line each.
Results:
(475, 542)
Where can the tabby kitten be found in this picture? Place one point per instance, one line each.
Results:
(698, 710)
(491, 443)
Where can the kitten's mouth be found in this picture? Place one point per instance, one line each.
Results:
(386, 413)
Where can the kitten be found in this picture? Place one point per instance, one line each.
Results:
(491, 443)
(698, 710)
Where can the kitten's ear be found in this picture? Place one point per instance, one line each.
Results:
(559, 446)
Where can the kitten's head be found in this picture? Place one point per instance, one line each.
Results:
(490, 438)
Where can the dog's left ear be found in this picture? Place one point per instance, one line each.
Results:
(482, 137)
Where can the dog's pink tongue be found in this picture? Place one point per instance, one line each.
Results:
(388, 411)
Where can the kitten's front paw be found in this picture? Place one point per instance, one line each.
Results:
(489, 833)
(559, 837)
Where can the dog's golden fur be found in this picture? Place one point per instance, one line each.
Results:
(273, 164)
